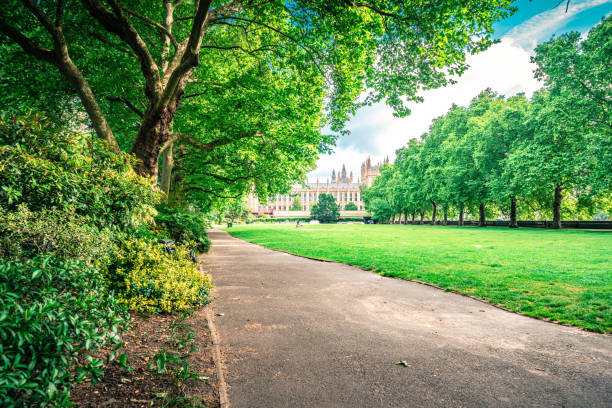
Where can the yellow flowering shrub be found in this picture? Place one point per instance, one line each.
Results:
(148, 279)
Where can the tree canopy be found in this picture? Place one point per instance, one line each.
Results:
(234, 94)
(510, 155)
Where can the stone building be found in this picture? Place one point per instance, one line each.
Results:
(369, 172)
(342, 186)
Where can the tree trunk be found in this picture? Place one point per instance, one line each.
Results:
(435, 210)
(557, 207)
(413, 214)
(405, 217)
(154, 132)
(81, 86)
(461, 217)
(445, 216)
(167, 166)
(513, 221)
(482, 216)
(422, 215)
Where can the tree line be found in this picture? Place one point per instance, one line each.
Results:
(514, 156)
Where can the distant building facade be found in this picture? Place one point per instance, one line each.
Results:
(369, 171)
(344, 189)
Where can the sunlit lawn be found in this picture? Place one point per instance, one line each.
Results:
(564, 276)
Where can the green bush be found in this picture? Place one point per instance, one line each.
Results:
(326, 209)
(149, 279)
(350, 207)
(47, 167)
(53, 312)
(184, 226)
(24, 234)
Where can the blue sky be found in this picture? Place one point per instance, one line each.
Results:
(505, 68)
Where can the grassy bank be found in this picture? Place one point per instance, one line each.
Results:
(563, 276)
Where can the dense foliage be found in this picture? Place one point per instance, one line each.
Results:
(184, 226)
(325, 210)
(53, 315)
(78, 243)
(234, 95)
(547, 157)
(350, 207)
(25, 233)
(149, 278)
(45, 166)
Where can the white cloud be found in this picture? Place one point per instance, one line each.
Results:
(505, 68)
(544, 25)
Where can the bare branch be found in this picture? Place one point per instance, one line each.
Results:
(40, 16)
(155, 24)
(126, 103)
(190, 57)
(117, 23)
(59, 13)
(26, 44)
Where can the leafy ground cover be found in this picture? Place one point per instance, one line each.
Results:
(563, 276)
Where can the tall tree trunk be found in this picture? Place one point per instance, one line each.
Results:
(422, 215)
(461, 211)
(413, 214)
(557, 207)
(482, 216)
(513, 221)
(405, 217)
(167, 166)
(154, 132)
(434, 212)
(445, 216)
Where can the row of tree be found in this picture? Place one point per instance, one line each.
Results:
(513, 155)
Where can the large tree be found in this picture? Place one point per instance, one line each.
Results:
(210, 74)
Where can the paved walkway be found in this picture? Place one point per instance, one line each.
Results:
(301, 333)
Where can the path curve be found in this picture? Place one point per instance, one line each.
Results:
(301, 333)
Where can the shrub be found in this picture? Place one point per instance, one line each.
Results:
(184, 226)
(53, 313)
(48, 167)
(148, 279)
(24, 234)
(350, 207)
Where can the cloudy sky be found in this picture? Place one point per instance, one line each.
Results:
(504, 67)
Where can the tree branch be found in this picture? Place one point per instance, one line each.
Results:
(191, 56)
(155, 24)
(210, 146)
(26, 44)
(126, 103)
(117, 23)
(291, 38)
(208, 191)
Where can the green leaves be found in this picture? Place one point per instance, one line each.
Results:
(326, 209)
(52, 312)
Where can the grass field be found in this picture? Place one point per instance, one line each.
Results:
(563, 276)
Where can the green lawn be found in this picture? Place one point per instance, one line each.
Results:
(563, 276)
